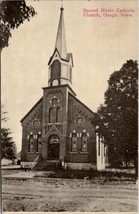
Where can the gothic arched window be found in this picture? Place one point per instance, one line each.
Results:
(74, 142)
(55, 72)
(39, 142)
(84, 141)
(31, 140)
(57, 114)
(50, 114)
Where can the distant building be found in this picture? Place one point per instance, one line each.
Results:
(59, 125)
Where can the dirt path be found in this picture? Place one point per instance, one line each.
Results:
(40, 194)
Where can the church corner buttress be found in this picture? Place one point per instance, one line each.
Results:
(59, 125)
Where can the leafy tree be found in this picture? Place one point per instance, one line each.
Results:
(12, 15)
(8, 147)
(117, 117)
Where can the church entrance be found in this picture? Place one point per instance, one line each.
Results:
(53, 148)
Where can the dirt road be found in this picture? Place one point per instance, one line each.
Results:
(53, 195)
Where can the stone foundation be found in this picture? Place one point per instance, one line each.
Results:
(80, 166)
(26, 164)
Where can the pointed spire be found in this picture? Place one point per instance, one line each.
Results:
(60, 39)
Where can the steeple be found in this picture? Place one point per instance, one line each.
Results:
(60, 39)
(61, 62)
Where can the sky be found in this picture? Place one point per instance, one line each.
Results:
(100, 46)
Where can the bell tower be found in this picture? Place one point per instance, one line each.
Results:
(61, 62)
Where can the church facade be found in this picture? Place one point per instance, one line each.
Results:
(60, 126)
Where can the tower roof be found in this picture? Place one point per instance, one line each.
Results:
(60, 44)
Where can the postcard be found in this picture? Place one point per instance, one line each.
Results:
(69, 106)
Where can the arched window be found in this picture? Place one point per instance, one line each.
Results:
(28, 143)
(50, 114)
(39, 142)
(31, 140)
(74, 142)
(55, 82)
(56, 70)
(57, 114)
(84, 141)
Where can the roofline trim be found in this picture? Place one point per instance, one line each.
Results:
(82, 104)
(31, 110)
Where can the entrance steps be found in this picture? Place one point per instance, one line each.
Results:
(45, 166)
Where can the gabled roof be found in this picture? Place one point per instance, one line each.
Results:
(58, 55)
(52, 129)
(31, 110)
(88, 109)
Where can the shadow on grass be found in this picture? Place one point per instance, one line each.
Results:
(91, 174)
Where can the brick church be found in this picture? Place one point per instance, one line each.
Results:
(60, 126)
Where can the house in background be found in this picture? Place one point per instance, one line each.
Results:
(60, 126)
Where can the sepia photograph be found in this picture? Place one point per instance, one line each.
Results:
(69, 106)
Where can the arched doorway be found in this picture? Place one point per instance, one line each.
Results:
(53, 147)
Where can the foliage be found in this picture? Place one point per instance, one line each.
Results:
(8, 147)
(12, 15)
(117, 117)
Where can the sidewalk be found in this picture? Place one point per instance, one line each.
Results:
(22, 174)
(26, 174)
(11, 167)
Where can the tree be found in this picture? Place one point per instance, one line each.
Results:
(117, 118)
(12, 15)
(8, 147)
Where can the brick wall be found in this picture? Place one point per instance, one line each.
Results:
(77, 109)
(70, 108)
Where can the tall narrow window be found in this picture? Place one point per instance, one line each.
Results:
(28, 143)
(84, 142)
(57, 114)
(55, 72)
(39, 142)
(31, 139)
(50, 114)
(74, 142)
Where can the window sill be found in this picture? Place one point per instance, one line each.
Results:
(84, 152)
(78, 152)
(73, 152)
(34, 152)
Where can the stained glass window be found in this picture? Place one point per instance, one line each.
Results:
(74, 142)
(84, 142)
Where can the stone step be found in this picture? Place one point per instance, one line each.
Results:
(45, 166)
